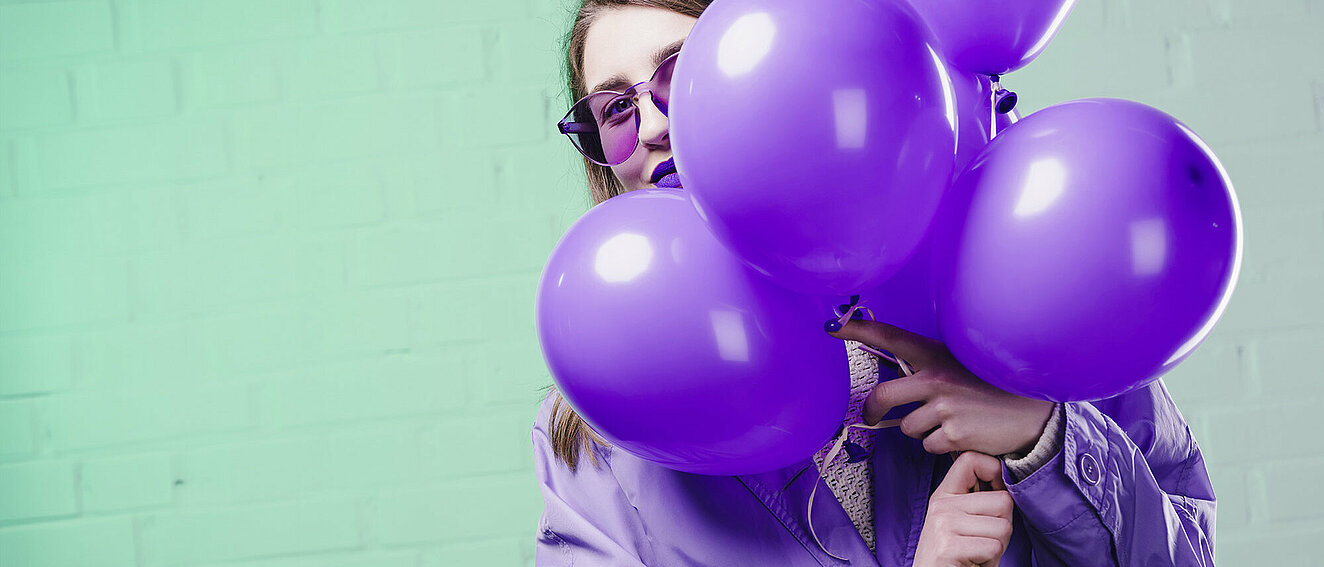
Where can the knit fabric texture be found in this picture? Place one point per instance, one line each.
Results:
(852, 483)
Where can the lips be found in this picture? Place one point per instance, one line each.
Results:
(663, 169)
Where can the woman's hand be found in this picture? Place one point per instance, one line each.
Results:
(960, 412)
(963, 526)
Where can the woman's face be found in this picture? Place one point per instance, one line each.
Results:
(629, 42)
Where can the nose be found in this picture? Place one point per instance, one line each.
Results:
(654, 126)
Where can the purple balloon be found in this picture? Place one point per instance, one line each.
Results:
(790, 120)
(907, 299)
(993, 38)
(674, 350)
(1093, 246)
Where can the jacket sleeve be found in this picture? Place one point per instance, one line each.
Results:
(1128, 487)
(587, 521)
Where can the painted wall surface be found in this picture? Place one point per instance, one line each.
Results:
(267, 270)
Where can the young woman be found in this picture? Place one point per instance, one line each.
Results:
(1113, 482)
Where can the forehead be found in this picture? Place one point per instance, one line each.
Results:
(622, 41)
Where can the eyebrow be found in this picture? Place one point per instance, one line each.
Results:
(620, 81)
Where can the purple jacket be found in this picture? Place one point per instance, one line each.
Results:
(1128, 487)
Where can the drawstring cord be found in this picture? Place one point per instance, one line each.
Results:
(840, 440)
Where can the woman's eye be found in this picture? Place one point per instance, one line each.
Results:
(617, 106)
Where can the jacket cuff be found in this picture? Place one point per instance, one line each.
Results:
(1072, 484)
(1050, 442)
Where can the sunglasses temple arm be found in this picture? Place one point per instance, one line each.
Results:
(575, 128)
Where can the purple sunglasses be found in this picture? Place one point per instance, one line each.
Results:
(604, 129)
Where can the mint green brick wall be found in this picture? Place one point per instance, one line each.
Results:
(267, 270)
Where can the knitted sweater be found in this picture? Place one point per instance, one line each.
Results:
(851, 482)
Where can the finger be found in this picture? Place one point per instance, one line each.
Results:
(982, 526)
(891, 393)
(969, 468)
(919, 422)
(993, 503)
(917, 350)
(938, 443)
(981, 551)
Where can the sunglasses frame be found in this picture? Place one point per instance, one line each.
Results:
(568, 126)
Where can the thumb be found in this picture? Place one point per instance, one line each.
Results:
(969, 468)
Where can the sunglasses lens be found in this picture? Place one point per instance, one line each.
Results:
(607, 128)
(662, 86)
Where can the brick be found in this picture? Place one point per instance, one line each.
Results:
(1258, 304)
(545, 177)
(233, 207)
(1284, 480)
(450, 182)
(127, 483)
(80, 543)
(258, 338)
(154, 217)
(507, 551)
(8, 175)
(1278, 237)
(322, 68)
(1220, 58)
(514, 371)
(176, 24)
(1212, 373)
(96, 224)
(1285, 109)
(1242, 14)
(126, 90)
(529, 50)
(365, 15)
(30, 491)
(249, 532)
(212, 275)
(332, 196)
(376, 558)
(449, 313)
(419, 252)
(373, 388)
(472, 509)
(1232, 496)
(23, 174)
(336, 130)
(144, 354)
(96, 419)
(1271, 546)
(34, 97)
(1174, 14)
(57, 291)
(356, 323)
(1119, 64)
(35, 364)
(1275, 172)
(470, 445)
(1262, 432)
(1278, 363)
(178, 150)
(48, 29)
(17, 438)
(265, 471)
(232, 76)
(410, 59)
(501, 115)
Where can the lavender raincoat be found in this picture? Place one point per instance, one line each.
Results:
(1128, 487)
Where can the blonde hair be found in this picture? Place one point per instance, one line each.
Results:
(568, 432)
